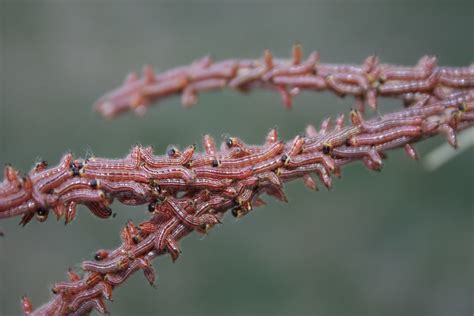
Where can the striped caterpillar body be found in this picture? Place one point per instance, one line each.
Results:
(190, 191)
(199, 206)
(143, 178)
(367, 82)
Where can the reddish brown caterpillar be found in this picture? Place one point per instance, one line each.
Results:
(141, 177)
(188, 191)
(184, 197)
(162, 232)
(365, 82)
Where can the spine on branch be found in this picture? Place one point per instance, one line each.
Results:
(425, 83)
(186, 190)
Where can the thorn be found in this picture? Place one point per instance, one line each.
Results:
(131, 77)
(411, 152)
(268, 59)
(26, 305)
(272, 136)
(337, 172)
(356, 117)
(375, 157)
(311, 131)
(450, 134)
(325, 126)
(340, 121)
(310, 183)
(285, 97)
(297, 54)
(149, 74)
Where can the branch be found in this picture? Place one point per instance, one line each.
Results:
(141, 177)
(189, 191)
(424, 83)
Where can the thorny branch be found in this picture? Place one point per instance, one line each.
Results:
(425, 82)
(189, 190)
(231, 179)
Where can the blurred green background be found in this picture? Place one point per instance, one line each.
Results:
(395, 243)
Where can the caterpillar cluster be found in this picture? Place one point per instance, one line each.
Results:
(425, 82)
(141, 177)
(188, 191)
